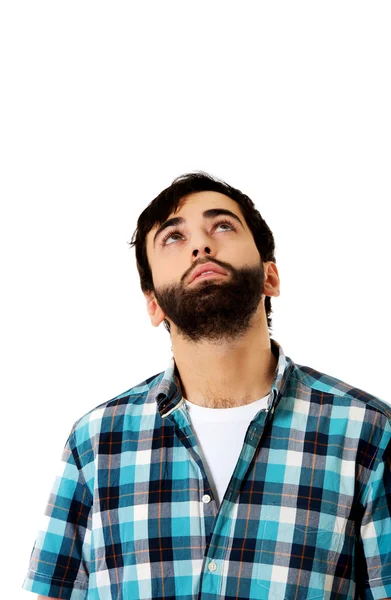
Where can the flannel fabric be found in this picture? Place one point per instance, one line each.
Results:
(306, 514)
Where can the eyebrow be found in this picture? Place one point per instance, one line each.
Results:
(207, 214)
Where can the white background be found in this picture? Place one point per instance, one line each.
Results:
(102, 106)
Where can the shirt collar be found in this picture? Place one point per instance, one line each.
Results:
(167, 392)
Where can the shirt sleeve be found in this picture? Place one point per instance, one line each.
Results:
(373, 565)
(59, 561)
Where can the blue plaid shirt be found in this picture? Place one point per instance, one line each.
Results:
(306, 514)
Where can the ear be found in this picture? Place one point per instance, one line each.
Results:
(156, 314)
(272, 279)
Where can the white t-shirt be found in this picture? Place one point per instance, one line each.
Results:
(220, 435)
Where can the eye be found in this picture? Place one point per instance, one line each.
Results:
(177, 232)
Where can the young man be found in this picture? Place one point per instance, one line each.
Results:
(235, 473)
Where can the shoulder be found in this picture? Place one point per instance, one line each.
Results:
(117, 413)
(334, 390)
(341, 410)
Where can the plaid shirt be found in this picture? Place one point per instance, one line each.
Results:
(307, 512)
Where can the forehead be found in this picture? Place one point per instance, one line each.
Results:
(199, 199)
(193, 205)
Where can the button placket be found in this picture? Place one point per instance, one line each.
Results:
(212, 566)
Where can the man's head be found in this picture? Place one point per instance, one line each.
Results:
(217, 224)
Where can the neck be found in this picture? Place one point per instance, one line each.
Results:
(227, 373)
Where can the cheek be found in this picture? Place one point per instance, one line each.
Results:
(245, 253)
(253, 253)
(169, 272)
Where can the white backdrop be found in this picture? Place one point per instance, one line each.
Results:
(102, 105)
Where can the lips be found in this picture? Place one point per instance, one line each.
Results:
(206, 267)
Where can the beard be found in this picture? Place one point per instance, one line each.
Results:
(214, 309)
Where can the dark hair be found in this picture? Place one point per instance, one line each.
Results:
(167, 202)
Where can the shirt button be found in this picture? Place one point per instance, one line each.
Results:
(212, 566)
(206, 498)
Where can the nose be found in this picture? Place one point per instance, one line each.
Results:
(207, 251)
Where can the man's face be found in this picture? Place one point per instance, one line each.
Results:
(209, 307)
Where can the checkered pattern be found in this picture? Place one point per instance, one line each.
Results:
(306, 515)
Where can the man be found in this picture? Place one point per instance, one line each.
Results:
(235, 473)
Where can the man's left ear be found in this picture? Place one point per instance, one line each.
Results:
(272, 279)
